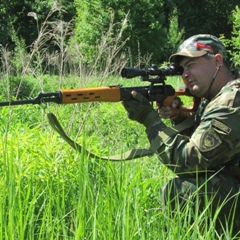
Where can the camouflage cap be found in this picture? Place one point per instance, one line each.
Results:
(199, 45)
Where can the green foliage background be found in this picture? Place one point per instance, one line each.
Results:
(149, 32)
(50, 191)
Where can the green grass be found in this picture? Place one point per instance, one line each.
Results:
(50, 191)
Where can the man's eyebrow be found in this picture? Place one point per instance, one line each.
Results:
(186, 63)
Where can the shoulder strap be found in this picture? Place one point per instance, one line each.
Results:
(129, 155)
(168, 132)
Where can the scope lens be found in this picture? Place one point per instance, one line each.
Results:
(124, 72)
(179, 70)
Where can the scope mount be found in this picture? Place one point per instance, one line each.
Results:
(160, 78)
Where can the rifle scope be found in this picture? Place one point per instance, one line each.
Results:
(129, 72)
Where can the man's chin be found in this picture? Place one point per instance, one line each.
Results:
(195, 92)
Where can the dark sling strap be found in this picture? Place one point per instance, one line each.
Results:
(131, 154)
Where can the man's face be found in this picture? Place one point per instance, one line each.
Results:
(198, 74)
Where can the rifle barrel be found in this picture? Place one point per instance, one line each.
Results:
(40, 98)
(17, 102)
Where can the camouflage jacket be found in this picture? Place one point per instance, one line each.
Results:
(214, 143)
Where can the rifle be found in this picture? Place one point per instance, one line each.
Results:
(158, 91)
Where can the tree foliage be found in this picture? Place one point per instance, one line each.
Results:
(14, 18)
(154, 27)
(145, 24)
(236, 36)
(153, 30)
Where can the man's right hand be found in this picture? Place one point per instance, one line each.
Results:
(176, 112)
(171, 111)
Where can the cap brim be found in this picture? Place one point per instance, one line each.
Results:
(173, 58)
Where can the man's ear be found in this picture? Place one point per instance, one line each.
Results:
(218, 60)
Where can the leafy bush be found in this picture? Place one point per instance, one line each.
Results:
(236, 36)
(13, 87)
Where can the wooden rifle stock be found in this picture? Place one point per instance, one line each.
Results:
(99, 94)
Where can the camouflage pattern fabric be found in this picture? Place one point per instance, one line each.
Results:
(209, 154)
(214, 143)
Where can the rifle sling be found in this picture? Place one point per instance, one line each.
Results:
(131, 154)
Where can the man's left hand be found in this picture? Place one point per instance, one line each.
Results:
(139, 109)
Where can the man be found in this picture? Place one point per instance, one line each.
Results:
(206, 156)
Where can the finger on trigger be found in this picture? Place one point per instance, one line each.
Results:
(175, 103)
(134, 93)
(137, 96)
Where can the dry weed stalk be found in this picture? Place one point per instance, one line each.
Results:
(109, 48)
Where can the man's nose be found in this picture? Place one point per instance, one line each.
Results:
(185, 75)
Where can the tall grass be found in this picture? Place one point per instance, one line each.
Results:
(50, 191)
